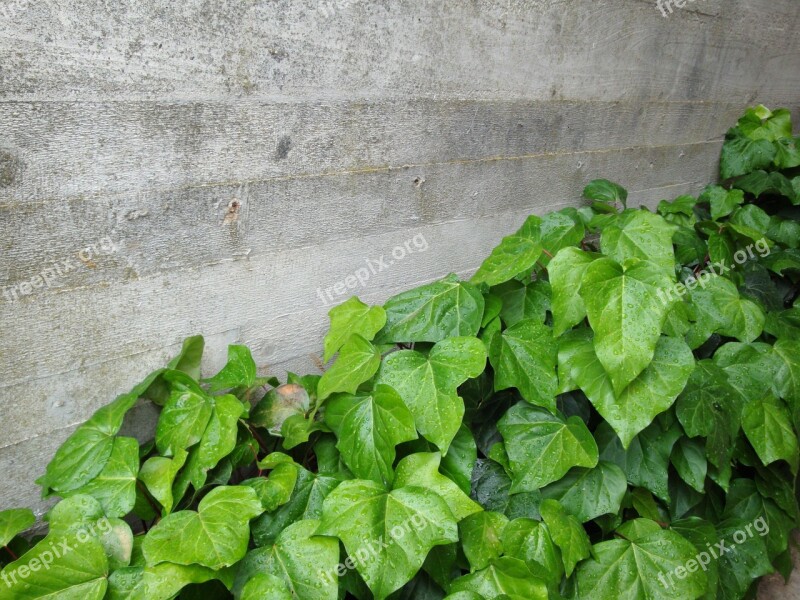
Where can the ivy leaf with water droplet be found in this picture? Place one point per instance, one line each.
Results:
(524, 356)
(566, 272)
(481, 537)
(515, 253)
(626, 309)
(567, 533)
(542, 447)
(433, 312)
(352, 316)
(358, 361)
(643, 235)
(388, 534)
(590, 493)
(505, 577)
(428, 385)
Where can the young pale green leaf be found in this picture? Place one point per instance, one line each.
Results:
(217, 442)
(76, 567)
(352, 316)
(388, 534)
(689, 460)
(305, 563)
(651, 393)
(115, 486)
(719, 308)
(530, 541)
(603, 190)
(158, 475)
(722, 201)
(481, 538)
(239, 371)
(187, 361)
(507, 578)
(643, 235)
(768, 425)
(433, 312)
(524, 356)
(641, 567)
(521, 301)
(627, 314)
(183, 421)
(428, 385)
(13, 522)
(368, 428)
(543, 447)
(215, 536)
(589, 493)
(275, 490)
(422, 470)
(567, 533)
(515, 254)
(358, 361)
(566, 272)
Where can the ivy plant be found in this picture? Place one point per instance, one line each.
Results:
(608, 408)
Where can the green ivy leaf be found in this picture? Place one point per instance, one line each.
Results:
(642, 564)
(741, 155)
(305, 563)
(504, 578)
(768, 425)
(239, 371)
(388, 533)
(265, 586)
(719, 309)
(626, 313)
(524, 356)
(13, 522)
(603, 190)
(520, 301)
(165, 580)
(515, 254)
(422, 470)
(530, 541)
(358, 361)
(566, 271)
(77, 573)
(368, 428)
(542, 447)
(215, 536)
(460, 459)
(481, 538)
(428, 385)
(722, 201)
(433, 312)
(115, 486)
(353, 316)
(590, 493)
(278, 405)
(643, 235)
(651, 393)
(183, 421)
(559, 230)
(276, 490)
(567, 533)
(158, 474)
(689, 460)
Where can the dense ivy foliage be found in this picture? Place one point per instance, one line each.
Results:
(607, 409)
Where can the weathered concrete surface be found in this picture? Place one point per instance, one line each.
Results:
(209, 166)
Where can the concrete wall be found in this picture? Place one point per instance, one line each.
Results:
(228, 159)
